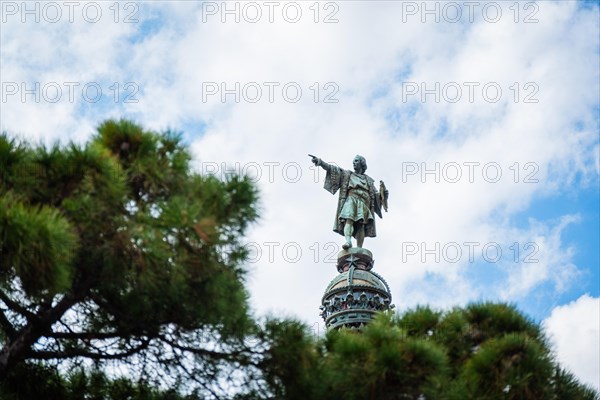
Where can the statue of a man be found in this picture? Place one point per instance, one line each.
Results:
(358, 201)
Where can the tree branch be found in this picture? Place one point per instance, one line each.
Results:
(13, 305)
(240, 356)
(82, 335)
(57, 355)
(18, 347)
(7, 327)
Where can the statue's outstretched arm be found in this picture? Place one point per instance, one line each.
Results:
(320, 163)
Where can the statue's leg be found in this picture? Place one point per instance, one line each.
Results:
(360, 235)
(348, 233)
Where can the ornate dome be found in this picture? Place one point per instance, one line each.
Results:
(354, 296)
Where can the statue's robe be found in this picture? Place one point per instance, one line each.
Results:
(339, 179)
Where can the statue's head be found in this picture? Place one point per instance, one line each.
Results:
(360, 164)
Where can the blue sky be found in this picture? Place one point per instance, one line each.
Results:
(374, 59)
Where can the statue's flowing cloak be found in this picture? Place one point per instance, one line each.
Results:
(339, 179)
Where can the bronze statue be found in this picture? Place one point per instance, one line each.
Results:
(358, 202)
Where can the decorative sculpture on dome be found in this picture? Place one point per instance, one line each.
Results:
(356, 294)
(358, 201)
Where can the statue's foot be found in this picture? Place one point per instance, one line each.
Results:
(347, 245)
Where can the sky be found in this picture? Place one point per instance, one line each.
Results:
(482, 118)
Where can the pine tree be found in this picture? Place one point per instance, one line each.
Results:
(484, 351)
(116, 253)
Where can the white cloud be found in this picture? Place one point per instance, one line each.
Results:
(553, 260)
(574, 331)
(41, 57)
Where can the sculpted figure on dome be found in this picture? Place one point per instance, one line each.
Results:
(358, 201)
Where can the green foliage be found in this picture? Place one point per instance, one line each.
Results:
(288, 365)
(117, 250)
(37, 236)
(420, 322)
(513, 366)
(382, 362)
(18, 384)
(566, 386)
(483, 351)
(50, 384)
